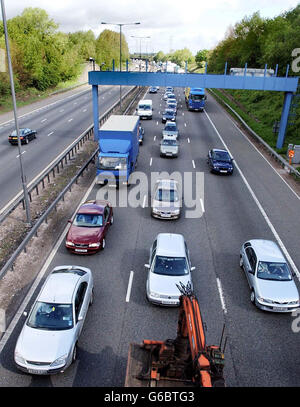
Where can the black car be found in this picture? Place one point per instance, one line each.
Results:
(172, 106)
(26, 135)
(220, 161)
(168, 115)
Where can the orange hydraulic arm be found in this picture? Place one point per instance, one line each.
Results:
(187, 357)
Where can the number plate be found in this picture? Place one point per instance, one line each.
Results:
(81, 250)
(166, 215)
(223, 171)
(33, 371)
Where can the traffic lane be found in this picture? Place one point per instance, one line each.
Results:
(43, 150)
(281, 205)
(233, 218)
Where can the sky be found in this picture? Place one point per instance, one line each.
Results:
(170, 24)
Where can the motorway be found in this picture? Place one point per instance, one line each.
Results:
(255, 202)
(57, 124)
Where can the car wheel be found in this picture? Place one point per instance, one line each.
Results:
(26, 140)
(74, 354)
(103, 243)
(252, 297)
(241, 262)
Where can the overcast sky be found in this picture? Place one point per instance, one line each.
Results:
(171, 24)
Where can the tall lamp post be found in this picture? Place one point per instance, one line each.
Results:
(140, 38)
(120, 25)
(23, 177)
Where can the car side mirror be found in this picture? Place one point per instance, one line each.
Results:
(25, 313)
(193, 268)
(250, 271)
(80, 318)
(70, 221)
(147, 266)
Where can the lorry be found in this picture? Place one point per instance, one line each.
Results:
(118, 141)
(195, 98)
(144, 109)
(186, 361)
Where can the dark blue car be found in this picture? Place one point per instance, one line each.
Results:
(168, 115)
(220, 161)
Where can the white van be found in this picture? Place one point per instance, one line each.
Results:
(144, 109)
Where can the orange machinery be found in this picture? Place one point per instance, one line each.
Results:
(186, 360)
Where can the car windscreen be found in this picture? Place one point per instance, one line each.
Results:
(168, 142)
(273, 271)
(166, 195)
(170, 128)
(88, 220)
(169, 112)
(112, 163)
(51, 317)
(221, 156)
(197, 97)
(170, 266)
(144, 107)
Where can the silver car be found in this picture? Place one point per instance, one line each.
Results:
(169, 265)
(269, 276)
(169, 148)
(166, 200)
(47, 343)
(170, 131)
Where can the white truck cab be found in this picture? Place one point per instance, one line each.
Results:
(144, 109)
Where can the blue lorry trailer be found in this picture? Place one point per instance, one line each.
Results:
(195, 98)
(118, 141)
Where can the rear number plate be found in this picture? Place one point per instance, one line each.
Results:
(81, 250)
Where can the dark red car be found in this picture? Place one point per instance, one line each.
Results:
(89, 227)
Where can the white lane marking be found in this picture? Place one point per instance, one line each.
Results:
(150, 161)
(50, 134)
(188, 140)
(262, 211)
(219, 285)
(42, 121)
(61, 110)
(23, 152)
(70, 120)
(84, 110)
(202, 205)
(156, 123)
(144, 201)
(182, 113)
(274, 169)
(129, 286)
(154, 138)
(40, 276)
(193, 162)
(184, 124)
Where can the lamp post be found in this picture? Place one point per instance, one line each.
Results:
(140, 38)
(120, 25)
(23, 177)
(92, 60)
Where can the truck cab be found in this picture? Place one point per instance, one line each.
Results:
(144, 109)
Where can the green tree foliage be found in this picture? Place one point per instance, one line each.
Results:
(108, 49)
(201, 56)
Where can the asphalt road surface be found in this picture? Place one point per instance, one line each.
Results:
(262, 349)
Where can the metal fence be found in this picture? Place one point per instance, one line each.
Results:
(270, 150)
(55, 167)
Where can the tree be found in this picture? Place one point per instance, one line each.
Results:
(201, 56)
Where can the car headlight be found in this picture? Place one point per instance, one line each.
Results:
(155, 295)
(69, 243)
(296, 302)
(155, 210)
(19, 358)
(260, 299)
(176, 211)
(94, 244)
(60, 361)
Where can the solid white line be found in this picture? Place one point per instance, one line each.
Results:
(129, 286)
(150, 161)
(50, 134)
(265, 216)
(202, 205)
(274, 169)
(193, 162)
(219, 285)
(40, 276)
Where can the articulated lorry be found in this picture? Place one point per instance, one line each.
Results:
(195, 98)
(118, 149)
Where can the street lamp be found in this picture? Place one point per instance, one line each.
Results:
(23, 177)
(92, 60)
(120, 25)
(140, 38)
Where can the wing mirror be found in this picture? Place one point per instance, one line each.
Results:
(147, 266)
(25, 314)
(193, 268)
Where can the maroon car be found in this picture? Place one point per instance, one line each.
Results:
(89, 227)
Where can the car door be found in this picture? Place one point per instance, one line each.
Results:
(249, 265)
(209, 159)
(106, 217)
(80, 305)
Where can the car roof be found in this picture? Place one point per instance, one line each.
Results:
(219, 150)
(166, 184)
(60, 285)
(267, 250)
(93, 207)
(170, 244)
(170, 123)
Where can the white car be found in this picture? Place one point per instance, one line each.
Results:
(47, 343)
